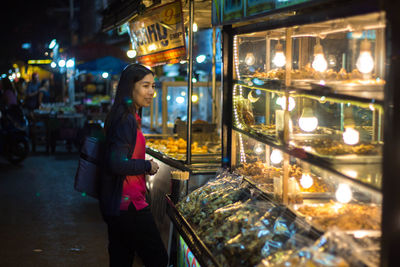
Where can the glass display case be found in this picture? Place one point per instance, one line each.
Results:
(169, 117)
(326, 102)
(309, 99)
(307, 122)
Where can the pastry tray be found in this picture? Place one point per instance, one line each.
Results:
(309, 220)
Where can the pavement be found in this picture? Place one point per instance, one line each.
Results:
(43, 220)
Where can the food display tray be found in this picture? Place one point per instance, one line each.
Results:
(196, 245)
(305, 195)
(308, 219)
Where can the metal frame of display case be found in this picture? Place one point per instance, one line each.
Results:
(390, 241)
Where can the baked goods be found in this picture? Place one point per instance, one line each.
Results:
(172, 146)
(344, 216)
(262, 174)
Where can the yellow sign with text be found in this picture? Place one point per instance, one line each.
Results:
(158, 35)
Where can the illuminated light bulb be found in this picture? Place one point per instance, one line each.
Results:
(281, 101)
(319, 63)
(131, 53)
(61, 63)
(351, 136)
(306, 181)
(250, 59)
(343, 193)
(195, 98)
(258, 149)
(308, 122)
(18, 74)
(105, 75)
(195, 27)
(279, 59)
(276, 156)
(70, 63)
(53, 64)
(365, 63)
(201, 58)
(183, 93)
(180, 100)
(155, 94)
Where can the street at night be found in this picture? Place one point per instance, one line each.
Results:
(44, 221)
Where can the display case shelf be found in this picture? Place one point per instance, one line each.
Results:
(346, 171)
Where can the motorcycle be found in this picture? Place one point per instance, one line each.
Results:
(14, 142)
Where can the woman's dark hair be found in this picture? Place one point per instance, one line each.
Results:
(123, 102)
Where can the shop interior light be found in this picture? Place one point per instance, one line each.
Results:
(258, 149)
(343, 193)
(201, 58)
(250, 59)
(365, 62)
(307, 121)
(53, 64)
(131, 53)
(306, 181)
(279, 59)
(105, 75)
(61, 63)
(195, 27)
(179, 100)
(70, 63)
(319, 63)
(351, 136)
(52, 44)
(276, 156)
(195, 98)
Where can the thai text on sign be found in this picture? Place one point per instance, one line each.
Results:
(158, 35)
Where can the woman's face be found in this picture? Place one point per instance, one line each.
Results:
(143, 91)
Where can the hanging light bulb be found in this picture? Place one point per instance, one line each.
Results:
(319, 63)
(343, 193)
(307, 121)
(365, 63)
(250, 59)
(258, 149)
(276, 156)
(306, 181)
(279, 59)
(351, 136)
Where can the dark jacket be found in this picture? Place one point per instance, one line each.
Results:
(120, 144)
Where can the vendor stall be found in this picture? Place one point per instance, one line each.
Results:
(308, 136)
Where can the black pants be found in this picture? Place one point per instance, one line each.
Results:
(135, 231)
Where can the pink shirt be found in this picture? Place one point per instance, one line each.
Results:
(134, 187)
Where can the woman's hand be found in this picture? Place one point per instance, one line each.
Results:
(154, 167)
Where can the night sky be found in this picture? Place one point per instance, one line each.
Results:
(35, 22)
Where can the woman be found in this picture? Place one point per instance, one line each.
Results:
(131, 227)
